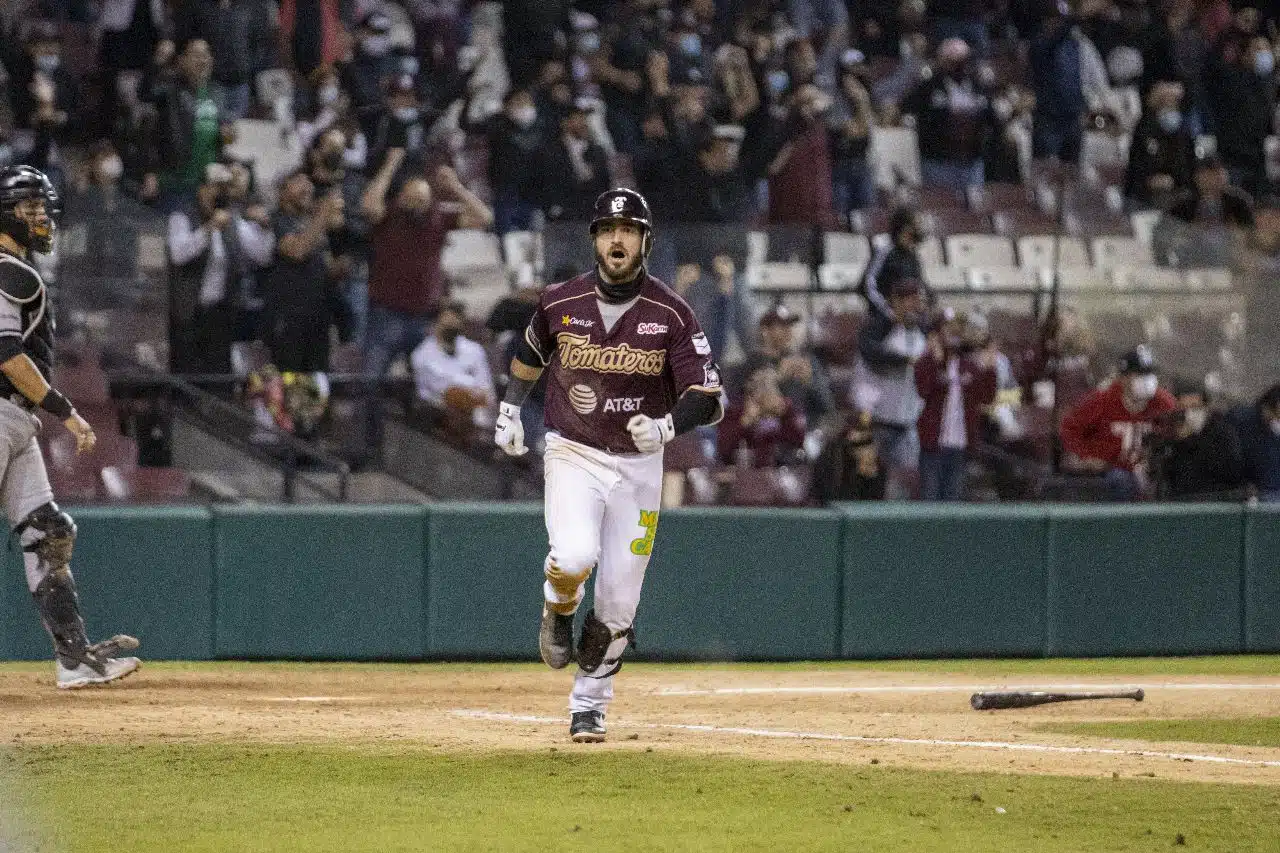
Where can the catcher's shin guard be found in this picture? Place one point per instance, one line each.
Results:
(600, 649)
(49, 534)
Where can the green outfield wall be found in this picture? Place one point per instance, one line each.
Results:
(888, 580)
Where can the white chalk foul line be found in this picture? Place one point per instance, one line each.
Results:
(315, 698)
(948, 688)
(897, 741)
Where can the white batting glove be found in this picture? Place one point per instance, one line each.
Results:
(649, 434)
(508, 431)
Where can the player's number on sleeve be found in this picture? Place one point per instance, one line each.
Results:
(643, 546)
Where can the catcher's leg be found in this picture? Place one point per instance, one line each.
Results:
(48, 538)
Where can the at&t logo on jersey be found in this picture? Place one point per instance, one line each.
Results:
(583, 399)
(623, 404)
(651, 329)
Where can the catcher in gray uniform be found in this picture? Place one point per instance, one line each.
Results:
(28, 204)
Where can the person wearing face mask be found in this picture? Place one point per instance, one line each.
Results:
(1258, 427)
(1196, 452)
(1240, 81)
(323, 105)
(371, 64)
(954, 118)
(884, 381)
(956, 383)
(44, 98)
(451, 372)
(516, 136)
(897, 261)
(349, 240)
(408, 228)
(1162, 153)
(849, 126)
(573, 168)
(1107, 430)
(402, 124)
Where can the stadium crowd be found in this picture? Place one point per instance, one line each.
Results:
(415, 119)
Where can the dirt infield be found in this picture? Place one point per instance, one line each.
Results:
(855, 716)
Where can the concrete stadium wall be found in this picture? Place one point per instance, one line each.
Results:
(462, 581)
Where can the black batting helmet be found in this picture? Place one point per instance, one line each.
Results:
(627, 205)
(22, 183)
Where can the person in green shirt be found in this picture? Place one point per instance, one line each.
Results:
(192, 127)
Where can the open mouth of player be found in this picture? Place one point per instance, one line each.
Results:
(617, 254)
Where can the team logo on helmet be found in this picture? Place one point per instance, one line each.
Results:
(618, 204)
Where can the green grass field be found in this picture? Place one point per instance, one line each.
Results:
(1244, 731)
(146, 797)
(292, 799)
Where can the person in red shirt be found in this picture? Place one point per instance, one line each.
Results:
(1107, 430)
(764, 423)
(956, 382)
(407, 237)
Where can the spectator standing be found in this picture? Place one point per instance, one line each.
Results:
(763, 428)
(312, 34)
(884, 381)
(1206, 224)
(1056, 55)
(302, 300)
(573, 168)
(1197, 452)
(44, 97)
(1258, 427)
(208, 249)
(849, 124)
(372, 64)
(192, 126)
(130, 31)
(1241, 89)
(516, 138)
(618, 57)
(407, 237)
(848, 468)
(400, 124)
(349, 241)
(800, 174)
(897, 261)
(956, 385)
(241, 34)
(1162, 153)
(954, 115)
(1108, 429)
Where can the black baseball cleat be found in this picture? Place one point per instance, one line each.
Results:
(555, 639)
(587, 727)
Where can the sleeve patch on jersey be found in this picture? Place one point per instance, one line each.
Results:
(711, 375)
(700, 344)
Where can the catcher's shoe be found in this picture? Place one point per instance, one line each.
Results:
(83, 675)
(555, 639)
(587, 727)
(111, 648)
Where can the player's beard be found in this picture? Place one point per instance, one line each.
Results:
(618, 275)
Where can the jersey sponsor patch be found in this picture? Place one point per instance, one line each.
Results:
(701, 345)
(583, 399)
(710, 375)
(566, 320)
(622, 404)
(651, 329)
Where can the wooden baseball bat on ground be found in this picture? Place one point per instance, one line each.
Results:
(996, 701)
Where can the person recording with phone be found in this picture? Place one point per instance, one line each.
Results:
(209, 248)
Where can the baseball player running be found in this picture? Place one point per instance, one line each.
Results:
(27, 206)
(630, 369)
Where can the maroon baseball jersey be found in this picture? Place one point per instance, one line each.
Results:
(598, 380)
